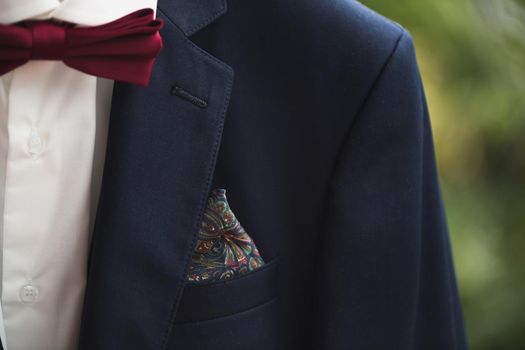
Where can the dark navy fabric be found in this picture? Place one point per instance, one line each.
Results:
(311, 114)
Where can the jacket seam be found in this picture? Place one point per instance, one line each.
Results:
(367, 97)
(357, 115)
(348, 132)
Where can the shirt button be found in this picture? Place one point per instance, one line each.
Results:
(28, 293)
(35, 144)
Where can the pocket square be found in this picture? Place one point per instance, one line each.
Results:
(223, 248)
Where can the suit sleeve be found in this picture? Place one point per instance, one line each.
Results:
(385, 271)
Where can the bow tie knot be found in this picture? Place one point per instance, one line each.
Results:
(48, 40)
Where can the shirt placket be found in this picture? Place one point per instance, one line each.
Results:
(46, 204)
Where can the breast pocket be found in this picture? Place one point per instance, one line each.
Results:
(235, 314)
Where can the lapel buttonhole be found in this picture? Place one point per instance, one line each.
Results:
(180, 92)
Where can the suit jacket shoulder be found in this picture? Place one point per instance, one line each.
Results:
(320, 52)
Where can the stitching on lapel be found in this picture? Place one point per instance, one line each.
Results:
(192, 30)
(203, 24)
(204, 193)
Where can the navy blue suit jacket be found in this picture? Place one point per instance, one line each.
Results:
(311, 114)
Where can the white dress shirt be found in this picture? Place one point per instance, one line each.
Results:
(53, 128)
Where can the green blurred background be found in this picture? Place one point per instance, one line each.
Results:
(472, 58)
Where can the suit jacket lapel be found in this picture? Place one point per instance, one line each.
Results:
(161, 153)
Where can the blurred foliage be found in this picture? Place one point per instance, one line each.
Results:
(472, 58)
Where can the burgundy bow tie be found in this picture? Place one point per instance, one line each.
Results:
(123, 50)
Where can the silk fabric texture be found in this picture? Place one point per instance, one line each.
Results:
(124, 49)
(51, 158)
(224, 249)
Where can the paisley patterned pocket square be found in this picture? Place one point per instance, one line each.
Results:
(223, 248)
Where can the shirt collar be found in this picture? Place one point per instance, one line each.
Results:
(83, 12)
